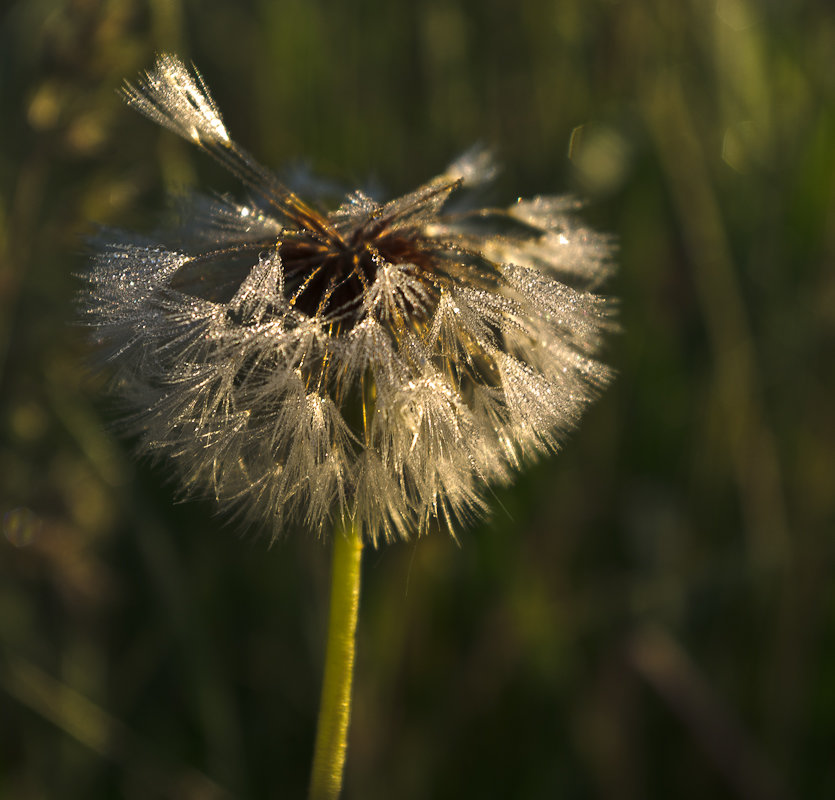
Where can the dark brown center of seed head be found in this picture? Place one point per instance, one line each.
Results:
(323, 277)
(330, 280)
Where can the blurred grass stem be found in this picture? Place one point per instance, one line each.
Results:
(148, 772)
(335, 704)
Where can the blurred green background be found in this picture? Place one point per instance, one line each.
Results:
(649, 614)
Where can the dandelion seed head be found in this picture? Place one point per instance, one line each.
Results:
(382, 362)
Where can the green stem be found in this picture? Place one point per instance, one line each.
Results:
(335, 706)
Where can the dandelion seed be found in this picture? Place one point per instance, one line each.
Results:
(380, 364)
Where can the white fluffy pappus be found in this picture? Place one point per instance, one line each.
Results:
(381, 363)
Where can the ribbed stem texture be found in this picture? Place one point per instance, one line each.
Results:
(335, 707)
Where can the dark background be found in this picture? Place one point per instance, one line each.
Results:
(649, 614)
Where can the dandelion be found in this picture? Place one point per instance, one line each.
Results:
(374, 367)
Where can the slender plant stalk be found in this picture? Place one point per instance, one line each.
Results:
(335, 706)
